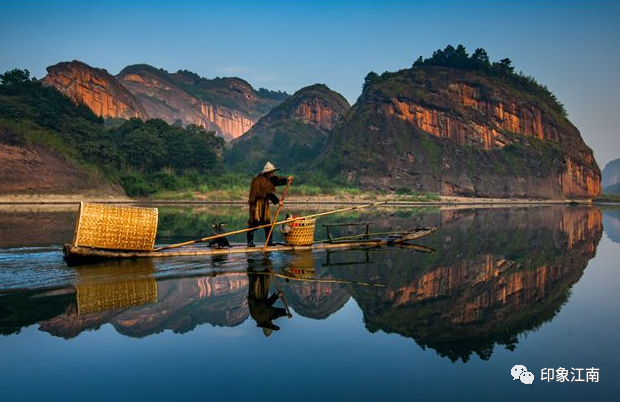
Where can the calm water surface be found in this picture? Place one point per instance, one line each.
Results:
(534, 286)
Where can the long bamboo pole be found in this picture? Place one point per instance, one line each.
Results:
(335, 211)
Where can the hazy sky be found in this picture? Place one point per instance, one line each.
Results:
(572, 47)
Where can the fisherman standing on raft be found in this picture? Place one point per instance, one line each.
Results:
(261, 192)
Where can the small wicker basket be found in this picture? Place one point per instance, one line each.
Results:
(301, 233)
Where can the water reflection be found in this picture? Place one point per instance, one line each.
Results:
(260, 302)
(495, 275)
(309, 289)
(115, 286)
(611, 223)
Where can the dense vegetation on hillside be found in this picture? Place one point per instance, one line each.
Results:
(479, 61)
(144, 157)
(502, 71)
(283, 137)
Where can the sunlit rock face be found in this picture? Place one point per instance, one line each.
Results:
(163, 98)
(229, 106)
(486, 286)
(504, 113)
(460, 133)
(318, 113)
(95, 88)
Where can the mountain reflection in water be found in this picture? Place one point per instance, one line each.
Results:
(496, 274)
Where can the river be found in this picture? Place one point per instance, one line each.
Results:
(535, 286)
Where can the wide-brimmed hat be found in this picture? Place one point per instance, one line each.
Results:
(269, 168)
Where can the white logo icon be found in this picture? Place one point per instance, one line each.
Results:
(519, 372)
(527, 378)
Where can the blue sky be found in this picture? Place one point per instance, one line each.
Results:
(570, 46)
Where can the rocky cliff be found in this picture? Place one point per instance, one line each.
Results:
(229, 106)
(460, 132)
(96, 88)
(294, 132)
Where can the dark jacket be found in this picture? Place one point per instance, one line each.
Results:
(261, 192)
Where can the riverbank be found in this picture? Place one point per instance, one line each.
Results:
(362, 198)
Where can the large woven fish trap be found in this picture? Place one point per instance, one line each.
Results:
(301, 233)
(116, 227)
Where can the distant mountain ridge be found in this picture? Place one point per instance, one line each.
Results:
(453, 124)
(228, 106)
(51, 144)
(94, 87)
(611, 177)
(293, 133)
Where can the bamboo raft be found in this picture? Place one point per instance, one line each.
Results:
(119, 232)
(71, 250)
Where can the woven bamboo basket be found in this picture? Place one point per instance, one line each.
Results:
(301, 233)
(116, 227)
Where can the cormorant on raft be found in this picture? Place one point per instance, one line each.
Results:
(219, 242)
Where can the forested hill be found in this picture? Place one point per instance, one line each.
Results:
(53, 145)
(462, 125)
(293, 134)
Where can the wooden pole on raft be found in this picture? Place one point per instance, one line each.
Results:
(275, 217)
(335, 211)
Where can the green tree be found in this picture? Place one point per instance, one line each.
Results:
(15, 77)
(480, 59)
(370, 78)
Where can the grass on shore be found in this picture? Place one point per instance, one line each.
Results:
(240, 193)
(608, 198)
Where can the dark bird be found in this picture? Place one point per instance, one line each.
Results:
(220, 242)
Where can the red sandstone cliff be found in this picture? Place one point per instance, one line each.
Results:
(186, 98)
(96, 88)
(228, 106)
(459, 132)
(294, 132)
